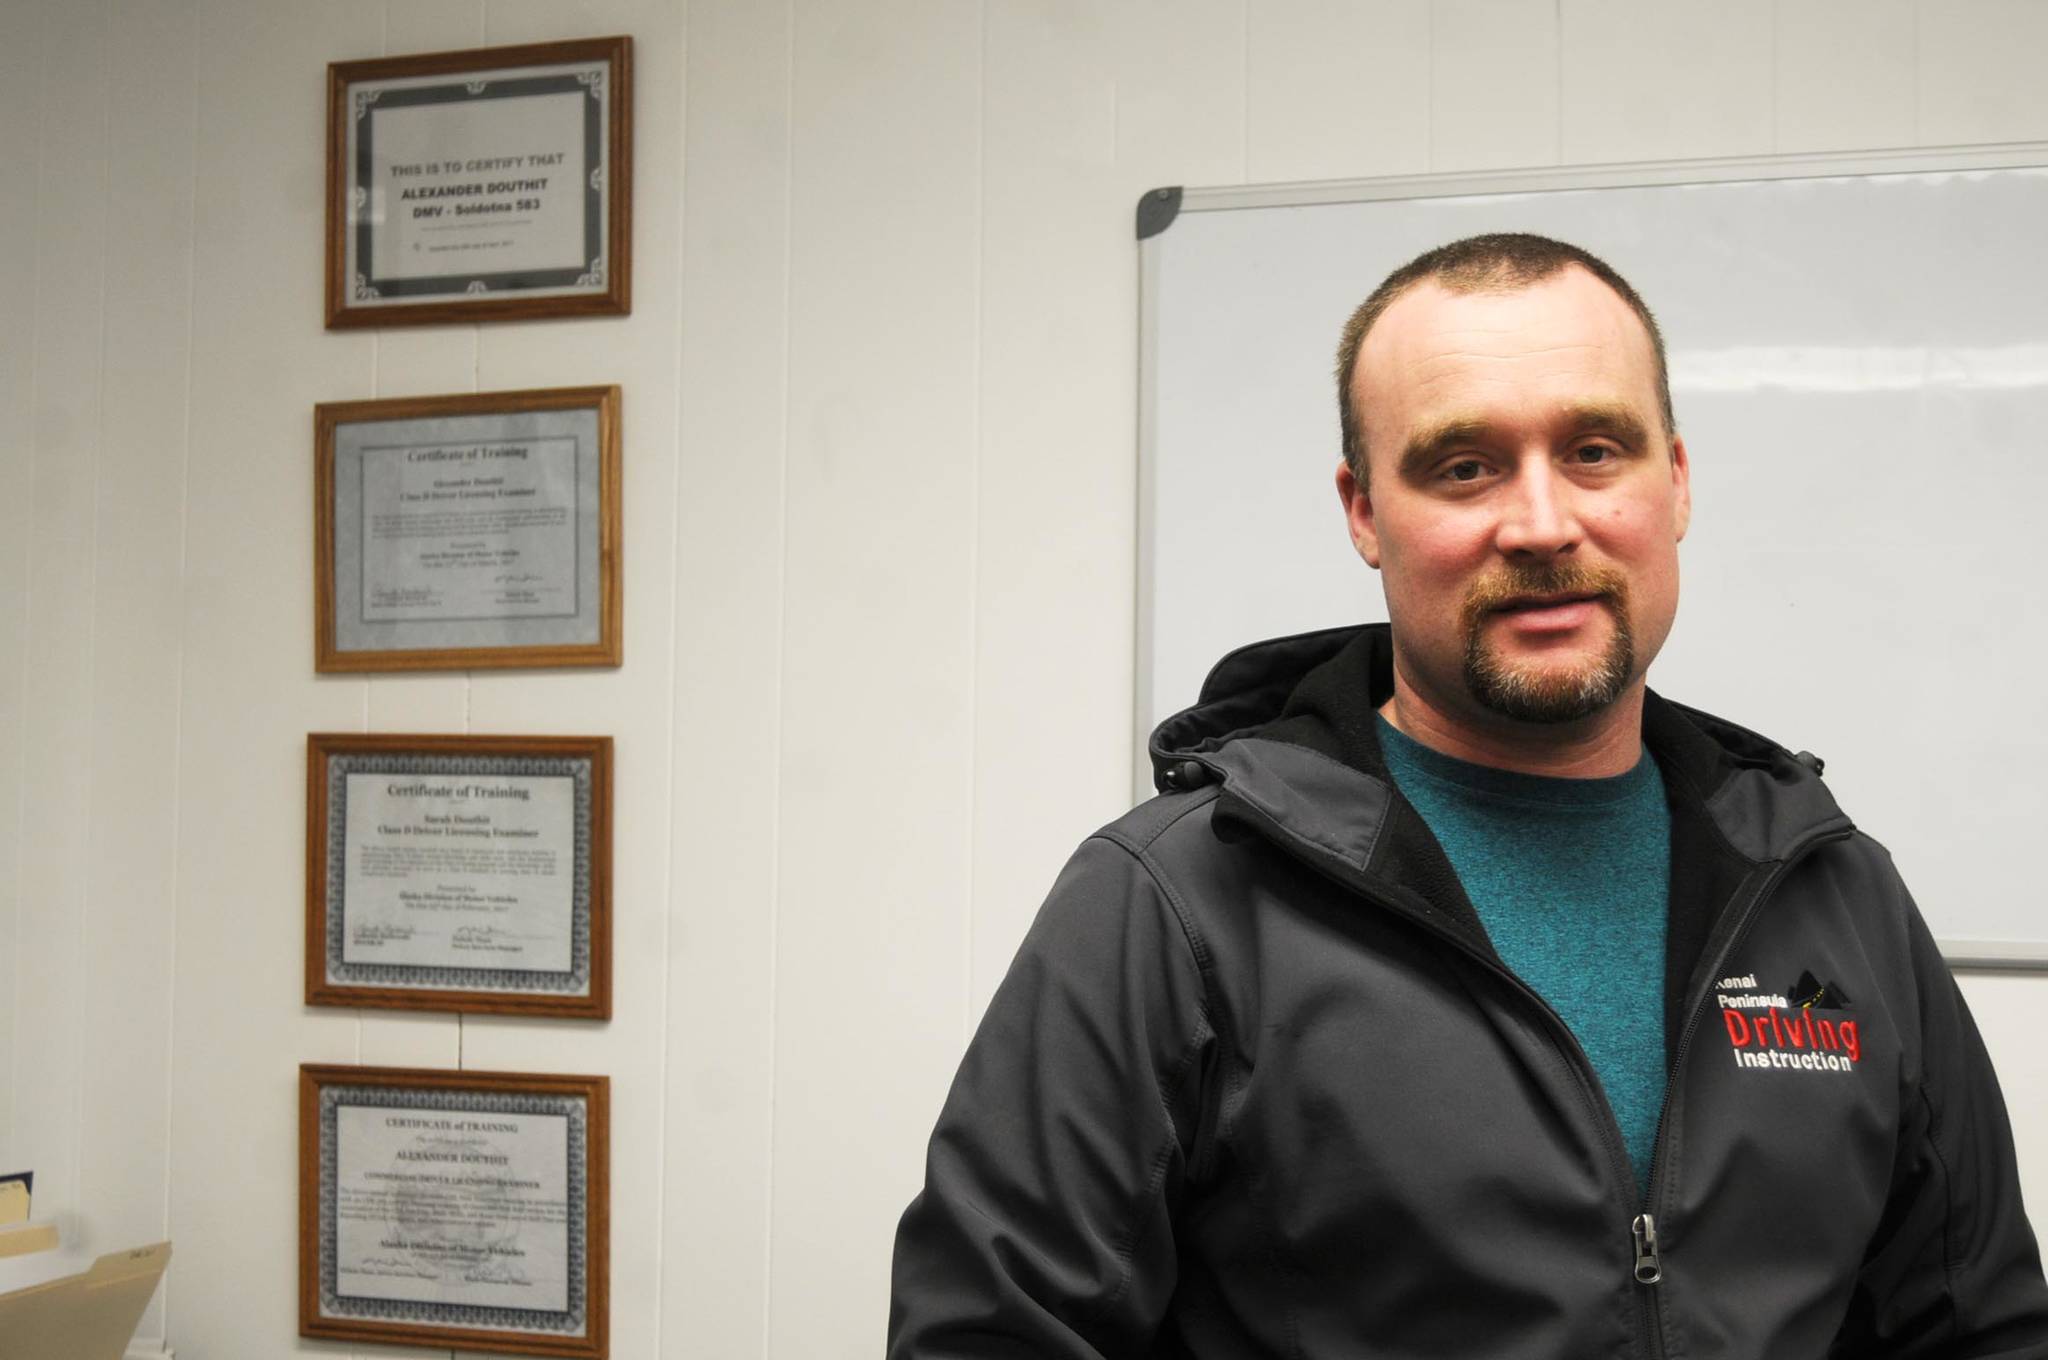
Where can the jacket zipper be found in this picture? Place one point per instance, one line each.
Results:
(1648, 1268)
(1646, 1223)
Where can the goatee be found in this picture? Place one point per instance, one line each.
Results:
(1534, 693)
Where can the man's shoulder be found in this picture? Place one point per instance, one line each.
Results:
(1163, 822)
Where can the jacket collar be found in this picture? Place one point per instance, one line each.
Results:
(1286, 727)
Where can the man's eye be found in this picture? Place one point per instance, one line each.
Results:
(1594, 454)
(1464, 470)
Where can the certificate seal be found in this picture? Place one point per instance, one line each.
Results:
(456, 1212)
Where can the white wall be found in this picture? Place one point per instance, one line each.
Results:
(879, 422)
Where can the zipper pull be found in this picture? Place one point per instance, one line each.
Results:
(1648, 1269)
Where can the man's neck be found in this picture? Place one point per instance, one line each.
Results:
(1607, 743)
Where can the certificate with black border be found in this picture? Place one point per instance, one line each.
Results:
(493, 184)
(459, 873)
(455, 1209)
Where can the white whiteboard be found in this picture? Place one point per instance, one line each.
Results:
(1859, 361)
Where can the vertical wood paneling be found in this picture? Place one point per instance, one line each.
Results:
(129, 912)
(1980, 71)
(434, 26)
(396, 1039)
(426, 360)
(1338, 89)
(1664, 79)
(21, 52)
(65, 441)
(426, 702)
(260, 362)
(1846, 74)
(727, 711)
(1493, 84)
(1052, 608)
(876, 762)
(1179, 91)
(519, 21)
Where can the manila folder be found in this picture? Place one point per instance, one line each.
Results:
(83, 1317)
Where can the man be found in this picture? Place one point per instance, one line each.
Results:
(1461, 997)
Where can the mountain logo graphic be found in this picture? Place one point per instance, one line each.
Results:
(1811, 994)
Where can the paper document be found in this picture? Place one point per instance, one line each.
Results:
(25, 1239)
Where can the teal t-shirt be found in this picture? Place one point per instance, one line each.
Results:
(1572, 879)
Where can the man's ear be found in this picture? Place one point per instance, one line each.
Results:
(1681, 484)
(1365, 535)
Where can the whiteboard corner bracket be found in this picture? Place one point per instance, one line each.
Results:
(1156, 210)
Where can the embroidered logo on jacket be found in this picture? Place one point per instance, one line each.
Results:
(1783, 1031)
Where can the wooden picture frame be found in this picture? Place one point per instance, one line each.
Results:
(463, 1210)
(459, 873)
(468, 532)
(488, 185)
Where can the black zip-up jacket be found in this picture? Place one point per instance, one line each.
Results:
(1257, 1086)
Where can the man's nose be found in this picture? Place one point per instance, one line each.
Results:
(1538, 517)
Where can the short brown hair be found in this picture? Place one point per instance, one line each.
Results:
(1500, 262)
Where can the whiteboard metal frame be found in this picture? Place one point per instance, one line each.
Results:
(1961, 955)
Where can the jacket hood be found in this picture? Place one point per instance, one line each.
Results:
(1286, 728)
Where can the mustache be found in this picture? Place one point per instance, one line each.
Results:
(1521, 580)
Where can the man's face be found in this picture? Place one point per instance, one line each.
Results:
(1524, 504)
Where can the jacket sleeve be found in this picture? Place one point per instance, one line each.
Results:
(1953, 1270)
(1045, 1226)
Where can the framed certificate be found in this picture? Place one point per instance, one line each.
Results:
(490, 185)
(464, 874)
(467, 532)
(465, 1210)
